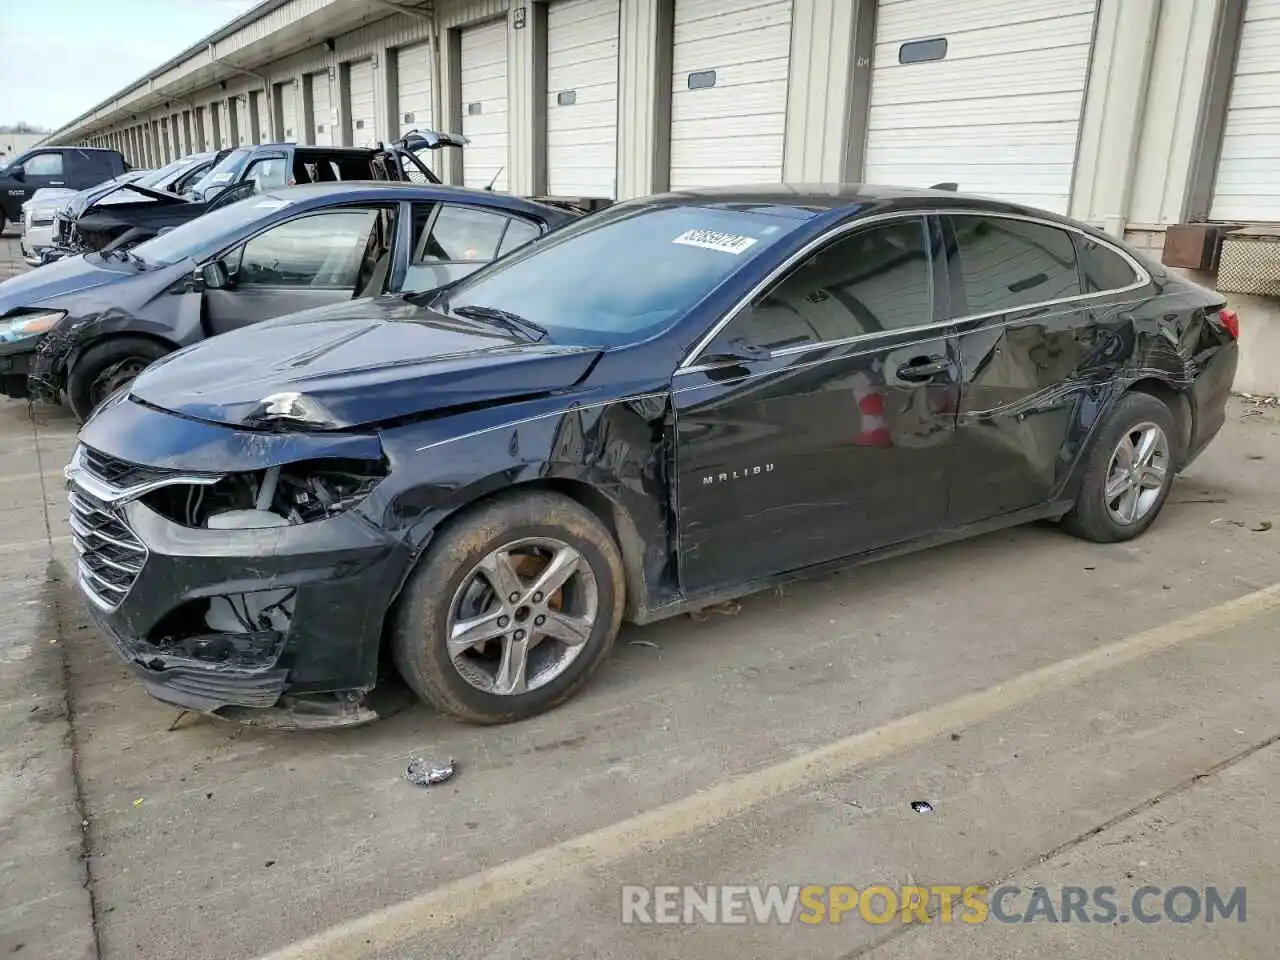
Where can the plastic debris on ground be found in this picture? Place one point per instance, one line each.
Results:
(922, 806)
(422, 774)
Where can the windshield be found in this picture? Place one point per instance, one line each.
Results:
(619, 276)
(223, 173)
(150, 179)
(208, 232)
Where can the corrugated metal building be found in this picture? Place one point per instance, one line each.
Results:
(1134, 115)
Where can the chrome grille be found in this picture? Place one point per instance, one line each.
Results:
(118, 473)
(111, 557)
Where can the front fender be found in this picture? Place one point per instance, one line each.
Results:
(614, 451)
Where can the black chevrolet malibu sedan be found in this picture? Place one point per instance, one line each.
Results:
(678, 400)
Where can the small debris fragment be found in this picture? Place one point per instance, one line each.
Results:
(1234, 523)
(644, 643)
(1201, 500)
(955, 738)
(423, 775)
(727, 609)
(1165, 586)
(1262, 527)
(138, 802)
(53, 641)
(208, 796)
(1256, 456)
(1091, 568)
(922, 806)
(178, 719)
(269, 863)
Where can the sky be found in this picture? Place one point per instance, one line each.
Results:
(58, 58)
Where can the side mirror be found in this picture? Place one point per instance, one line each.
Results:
(213, 276)
(17, 173)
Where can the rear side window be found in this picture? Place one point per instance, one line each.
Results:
(1103, 268)
(1005, 264)
(461, 234)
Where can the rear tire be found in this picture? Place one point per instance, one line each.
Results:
(1128, 472)
(106, 367)
(452, 593)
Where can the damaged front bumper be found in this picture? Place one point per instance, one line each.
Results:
(310, 598)
(46, 365)
(15, 366)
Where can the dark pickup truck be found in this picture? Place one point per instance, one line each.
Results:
(71, 168)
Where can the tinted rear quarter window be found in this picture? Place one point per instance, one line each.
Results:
(1103, 268)
(1005, 264)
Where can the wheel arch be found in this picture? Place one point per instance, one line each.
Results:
(1177, 402)
(77, 352)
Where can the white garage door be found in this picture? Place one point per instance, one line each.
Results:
(413, 87)
(729, 91)
(287, 98)
(321, 119)
(1247, 186)
(987, 95)
(364, 123)
(484, 105)
(582, 98)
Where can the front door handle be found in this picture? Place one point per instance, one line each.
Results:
(56, 183)
(925, 370)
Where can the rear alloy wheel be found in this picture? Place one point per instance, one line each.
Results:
(1128, 472)
(512, 609)
(107, 368)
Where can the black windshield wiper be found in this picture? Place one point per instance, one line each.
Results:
(505, 318)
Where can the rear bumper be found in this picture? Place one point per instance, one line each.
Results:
(1209, 396)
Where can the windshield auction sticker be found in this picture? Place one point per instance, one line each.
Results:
(715, 240)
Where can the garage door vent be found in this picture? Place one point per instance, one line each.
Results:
(702, 80)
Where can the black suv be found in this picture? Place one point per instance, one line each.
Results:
(75, 168)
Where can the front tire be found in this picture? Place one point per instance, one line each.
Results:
(1128, 472)
(105, 368)
(512, 609)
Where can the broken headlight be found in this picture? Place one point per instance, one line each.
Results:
(277, 497)
(26, 325)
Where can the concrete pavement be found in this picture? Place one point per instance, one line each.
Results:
(206, 840)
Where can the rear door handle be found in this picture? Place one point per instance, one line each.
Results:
(56, 183)
(923, 371)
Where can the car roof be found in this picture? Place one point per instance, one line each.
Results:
(358, 190)
(807, 200)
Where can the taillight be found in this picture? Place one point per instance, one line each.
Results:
(1231, 321)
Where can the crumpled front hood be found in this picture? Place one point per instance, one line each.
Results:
(364, 362)
(72, 275)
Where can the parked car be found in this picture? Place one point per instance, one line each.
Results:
(48, 208)
(95, 218)
(72, 167)
(83, 327)
(239, 173)
(663, 405)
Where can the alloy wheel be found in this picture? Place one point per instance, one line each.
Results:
(522, 615)
(1136, 475)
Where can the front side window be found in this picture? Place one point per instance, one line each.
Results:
(322, 250)
(1005, 264)
(223, 172)
(622, 274)
(873, 280)
(44, 165)
(1103, 268)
